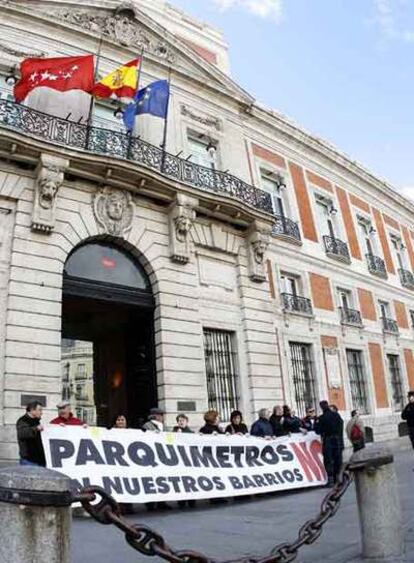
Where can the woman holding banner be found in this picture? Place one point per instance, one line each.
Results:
(211, 419)
(236, 425)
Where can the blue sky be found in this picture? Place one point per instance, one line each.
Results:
(342, 69)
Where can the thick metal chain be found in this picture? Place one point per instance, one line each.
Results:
(104, 509)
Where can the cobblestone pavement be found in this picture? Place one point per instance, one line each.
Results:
(250, 526)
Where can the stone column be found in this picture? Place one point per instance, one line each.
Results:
(378, 503)
(30, 532)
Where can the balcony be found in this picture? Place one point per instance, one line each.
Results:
(350, 317)
(105, 142)
(389, 325)
(286, 229)
(376, 265)
(406, 278)
(296, 304)
(337, 249)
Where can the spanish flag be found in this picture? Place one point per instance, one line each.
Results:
(121, 83)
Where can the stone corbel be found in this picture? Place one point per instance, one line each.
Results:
(50, 174)
(181, 218)
(257, 244)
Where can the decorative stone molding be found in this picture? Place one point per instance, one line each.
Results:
(9, 50)
(257, 244)
(50, 175)
(113, 210)
(210, 121)
(119, 27)
(181, 218)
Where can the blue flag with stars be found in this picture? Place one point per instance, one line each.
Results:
(153, 99)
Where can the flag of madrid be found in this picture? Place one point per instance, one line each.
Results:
(60, 73)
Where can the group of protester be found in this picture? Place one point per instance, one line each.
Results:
(281, 422)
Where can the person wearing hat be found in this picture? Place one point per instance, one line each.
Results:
(155, 422)
(65, 416)
(408, 415)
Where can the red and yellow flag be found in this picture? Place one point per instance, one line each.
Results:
(120, 83)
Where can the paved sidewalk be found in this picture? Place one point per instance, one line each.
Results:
(252, 526)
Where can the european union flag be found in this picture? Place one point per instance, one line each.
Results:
(152, 99)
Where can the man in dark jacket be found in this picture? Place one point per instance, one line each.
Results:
(28, 436)
(262, 427)
(309, 422)
(408, 415)
(330, 427)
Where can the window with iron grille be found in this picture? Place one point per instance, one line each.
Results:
(396, 382)
(303, 376)
(221, 371)
(357, 380)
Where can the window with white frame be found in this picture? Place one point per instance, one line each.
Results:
(290, 284)
(345, 298)
(367, 232)
(396, 381)
(275, 185)
(326, 213)
(399, 251)
(385, 311)
(357, 380)
(203, 150)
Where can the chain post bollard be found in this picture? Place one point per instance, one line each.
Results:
(35, 515)
(378, 503)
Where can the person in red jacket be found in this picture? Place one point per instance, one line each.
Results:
(65, 416)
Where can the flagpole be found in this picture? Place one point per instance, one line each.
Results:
(164, 138)
(130, 133)
(95, 78)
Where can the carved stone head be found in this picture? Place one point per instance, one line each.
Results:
(114, 210)
(49, 181)
(182, 227)
(259, 250)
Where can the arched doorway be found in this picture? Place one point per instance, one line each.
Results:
(108, 360)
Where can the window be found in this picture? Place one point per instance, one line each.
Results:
(345, 298)
(357, 380)
(399, 251)
(366, 232)
(412, 317)
(303, 376)
(396, 382)
(203, 151)
(275, 185)
(81, 370)
(221, 371)
(384, 309)
(289, 284)
(325, 213)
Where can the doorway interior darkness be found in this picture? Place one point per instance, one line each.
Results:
(108, 360)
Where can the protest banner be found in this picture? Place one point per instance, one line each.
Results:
(136, 467)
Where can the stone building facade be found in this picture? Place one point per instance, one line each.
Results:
(251, 265)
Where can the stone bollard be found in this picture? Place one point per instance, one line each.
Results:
(35, 515)
(378, 503)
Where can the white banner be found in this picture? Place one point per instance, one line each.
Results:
(135, 466)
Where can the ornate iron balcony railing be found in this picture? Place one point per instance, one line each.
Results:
(350, 316)
(336, 248)
(296, 304)
(406, 278)
(286, 228)
(389, 325)
(121, 145)
(376, 265)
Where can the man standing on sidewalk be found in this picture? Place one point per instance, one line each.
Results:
(408, 415)
(28, 436)
(330, 427)
(65, 416)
